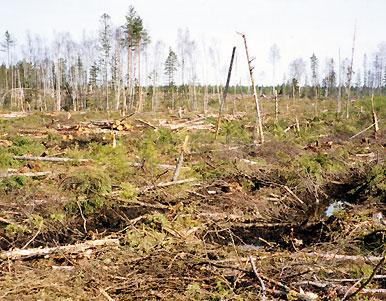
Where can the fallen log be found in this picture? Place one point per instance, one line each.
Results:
(146, 123)
(49, 159)
(374, 293)
(161, 166)
(27, 174)
(167, 184)
(68, 249)
(14, 115)
(159, 185)
(337, 257)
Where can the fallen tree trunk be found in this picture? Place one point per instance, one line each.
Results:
(27, 174)
(162, 166)
(68, 249)
(49, 159)
(337, 257)
(167, 184)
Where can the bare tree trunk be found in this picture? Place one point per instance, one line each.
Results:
(276, 106)
(222, 104)
(140, 100)
(58, 84)
(339, 108)
(180, 159)
(118, 76)
(258, 124)
(206, 99)
(129, 75)
(194, 99)
(21, 93)
(375, 118)
(154, 95)
(350, 73)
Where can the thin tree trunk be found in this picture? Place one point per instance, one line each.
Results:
(222, 104)
(258, 124)
(339, 108)
(180, 160)
(276, 106)
(375, 118)
(58, 84)
(118, 76)
(140, 100)
(206, 99)
(350, 77)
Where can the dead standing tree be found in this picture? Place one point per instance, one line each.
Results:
(349, 76)
(222, 104)
(258, 130)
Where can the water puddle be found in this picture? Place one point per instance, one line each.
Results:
(334, 207)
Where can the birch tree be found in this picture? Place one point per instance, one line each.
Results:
(274, 57)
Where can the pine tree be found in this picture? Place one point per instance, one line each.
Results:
(6, 46)
(314, 73)
(136, 38)
(171, 65)
(93, 76)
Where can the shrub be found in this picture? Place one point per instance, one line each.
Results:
(88, 185)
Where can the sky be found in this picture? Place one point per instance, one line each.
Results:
(298, 27)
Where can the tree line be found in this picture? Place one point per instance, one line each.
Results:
(122, 69)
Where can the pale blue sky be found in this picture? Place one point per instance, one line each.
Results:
(299, 27)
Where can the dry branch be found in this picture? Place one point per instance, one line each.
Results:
(293, 194)
(72, 249)
(263, 289)
(105, 294)
(361, 132)
(364, 284)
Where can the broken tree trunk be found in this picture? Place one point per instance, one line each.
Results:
(276, 106)
(221, 108)
(258, 124)
(180, 160)
(349, 76)
(375, 118)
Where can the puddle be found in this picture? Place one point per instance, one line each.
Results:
(334, 207)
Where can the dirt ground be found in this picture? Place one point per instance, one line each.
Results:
(301, 217)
